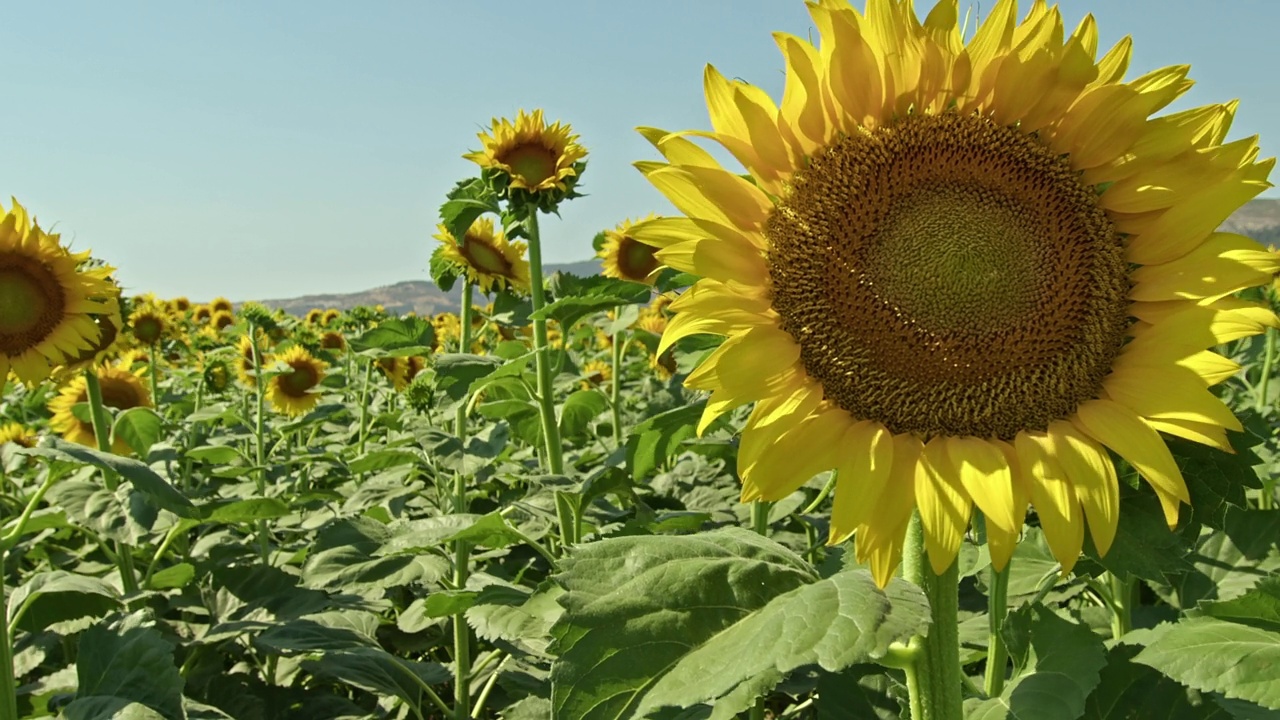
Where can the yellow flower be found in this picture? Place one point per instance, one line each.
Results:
(121, 390)
(596, 373)
(536, 157)
(448, 330)
(150, 322)
(960, 274)
(222, 319)
(396, 370)
(330, 316)
(217, 375)
(221, 304)
(48, 299)
(626, 258)
(18, 434)
(486, 258)
(294, 392)
(180, 305)
(315, 316)
(244, 361)
(333, 340)
(201, 314)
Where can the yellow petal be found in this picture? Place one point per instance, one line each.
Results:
(1120, 429)
(866, 459)
(1173, 393)
(746, 115)
(715, 195)
(1001, 542)
(1053, 496)
(1222, 264)
(985, 474)
(801, 118)
(879, 542)
(1093, 477)
(944, 505)
(1181, 228)
(794, 458)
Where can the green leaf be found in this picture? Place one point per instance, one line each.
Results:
(99, 707)
(1216, 480)
(174, 576)
(340, 630)
(490, 531)
(636, 607)
(52, 597)
(580, 408)
(344, 559)
(130, 659)
(139, 427)
(1213, 655)
(246, 511)
(378, 671)
(444, 603)
(455, 372)
(579, 297)
(381, 460)
(656, 439)
(1144, 546)
(143, 478)
(1060, 668)
(1128, 691)
(412, 336)
(514, 615)
(217, 454)
(861, 692)
(444, 272)
(466, 202)
(1259, 607)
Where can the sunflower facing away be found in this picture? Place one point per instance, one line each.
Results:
(535, 156)
(486, 257)
(121, 390)
(396, 370)
(294, 392)
(626, 258)
(48, 299)
(962, 273)
(18, 434)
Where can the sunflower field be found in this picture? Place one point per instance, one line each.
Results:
(941, 398)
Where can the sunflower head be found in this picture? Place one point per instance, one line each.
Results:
(18, 434)
(179, 305)
(626, 258)
(484, 257)
(150, 322)
(217, 374)
(529, 158)
(413, 365)
(49, 298)
(448, 330)
(121, 390)
(294, 391)
(330, 316)
(201, 314)
(221, 304)
(395, 369)
(222, 319)
(596, 373)
(315, 316)
(333, 340)
(962, 273)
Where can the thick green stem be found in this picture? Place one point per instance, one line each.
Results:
(259, 434)
(760, 516)
(1268, 357)
(1122, 593)
(997, 610)
(615, 387)
(461, 633)
(464, 341)
(8, 683)
(935, 687)
(542, 357)
(102, 434)
(364, 406)
(155, 378)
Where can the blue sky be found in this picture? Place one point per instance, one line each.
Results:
(269, 149)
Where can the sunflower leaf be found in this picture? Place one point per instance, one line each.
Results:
(715, 618)
(144, 479)
(1129, 690)
(656, 439)
(1213, 655)
(397, 334)
(578, 297)
(130, 659)
(465, 203)
(139, 427)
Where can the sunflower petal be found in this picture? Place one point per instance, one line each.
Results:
(944, 505)
(1120, 429)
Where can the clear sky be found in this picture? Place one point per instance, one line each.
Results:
(266, 149)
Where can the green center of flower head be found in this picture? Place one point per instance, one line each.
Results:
(635, 259)
(148, 329)
(484, 257)
(300, 380)
(945, 275)
(31, 303)
(531, 162)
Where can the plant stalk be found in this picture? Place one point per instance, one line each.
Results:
(1268, 357)
(155, 379)
(997, 611)
(542, 357)
(260, 453)
(8, 683)
(464, 342)
(461, 550)
(102, 434)
(1122, 593)
(936, 685)
(364, 406)
(615, 387)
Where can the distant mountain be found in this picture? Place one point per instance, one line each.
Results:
(1259, 219)
(419, 296)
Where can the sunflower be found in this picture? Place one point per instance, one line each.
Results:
(121, 390)
(18, 434)
(109, 326)
(221, 304)
(201, 314)
(222, 319)
(626, 258)
(217, 375)
(48, 299)
(294, 392)
(413, 365)
(396, 370)
(179, 305)
(314, 316)
(448, 330)
(333, 340)
(596, 373)
(486, 257)
(330, 316)
(244, 360)
(150, 322)
(534, 156)
(960, 274)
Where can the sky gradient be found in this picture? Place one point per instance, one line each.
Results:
(272, 149)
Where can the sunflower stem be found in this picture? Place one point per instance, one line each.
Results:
(461, 550)
(1268, 357)
(1123, 592)
(935, 681)
(997, 611)
(760, 517)
(542, 359)
(102, 434)
(464, 344)
(260, 453)
(8, 684)
(615, 387)
(155, 379)
(364, 407)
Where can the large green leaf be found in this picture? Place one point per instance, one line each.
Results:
(1259, 606)
(579, 297)
(139, 428)
(712, 618)
(50, 597)
(378, 671)
(397, 336)
(344, 560)
(455, 372)
(656, 439)
(144, 479)
(1129, 691)
(1057, 662)
(580, 408)
(130, 659)
(99, 707)
(1212, 655)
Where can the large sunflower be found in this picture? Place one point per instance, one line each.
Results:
(48, 299)
(625, 258)
(535, 156)
(961, 273)
(486, 257)
(294, 392)
(121, 390)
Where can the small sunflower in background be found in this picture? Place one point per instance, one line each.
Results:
(485, 258)
(201, 314)
(626, 258)
(222, 319)
(49, 298)
(149, 323)
(121, 390)
(962, 274)
(333, 340)
(293, 391)
(531, 155)
(315, 316)
(395, 369)
(217, 374)
(330, 317)
(18, 434)
(596, 373)
(413, 365)
(244, 358)
(221, 304)
(179, 305)
(448, 330)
